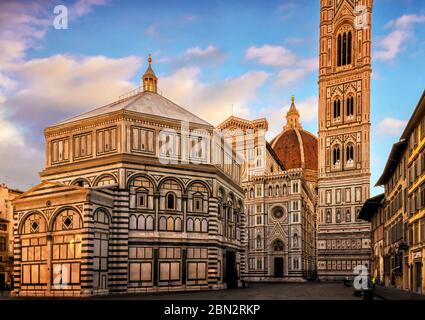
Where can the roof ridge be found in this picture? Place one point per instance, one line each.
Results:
(180, 107)
(67, 120)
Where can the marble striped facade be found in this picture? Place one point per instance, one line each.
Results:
(118, 255)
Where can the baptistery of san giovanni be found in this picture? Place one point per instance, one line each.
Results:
(138, 195)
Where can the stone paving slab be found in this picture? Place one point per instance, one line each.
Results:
(259, 291)
(396, 294)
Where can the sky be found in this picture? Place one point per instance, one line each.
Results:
(208, 56)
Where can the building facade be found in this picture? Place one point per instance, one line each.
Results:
(279, 181)
(6, 235)
(137, 196)
(373, 212)
(344, 133)
(403, 210)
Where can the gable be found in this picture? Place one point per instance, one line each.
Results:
(46, 189)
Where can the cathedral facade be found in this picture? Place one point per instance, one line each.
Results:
(137, 196)
(344, 136)
(279, 181)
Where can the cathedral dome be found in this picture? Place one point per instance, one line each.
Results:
(296, 147)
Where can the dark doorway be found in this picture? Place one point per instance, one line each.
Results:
(278, 267)
(418, 267)
(231, 273)
(2, 281)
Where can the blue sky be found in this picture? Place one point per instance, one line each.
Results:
(208, 55)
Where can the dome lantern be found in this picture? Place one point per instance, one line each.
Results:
(149, 79)
(292, 117)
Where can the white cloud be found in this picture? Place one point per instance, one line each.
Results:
(406, 20)
(37, 90)
(390, 46)
(292, 68)
(52, 89)
(276, 56)
(291, 76)
(83, 7)
(185, 88)
(391, 126)
(9, 134)
(65, 85)
(19, 162)
(196, 56)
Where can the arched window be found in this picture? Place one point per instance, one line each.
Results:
(295, 240)
(339, 50)
(2, 244)
(350, 106)
(190, 225)
(270, 191)
(141, 223)
(178, 224)
(149, 223)
(171, 201)
(204, 225)
(133, 222)
(338, 216)
(337, 108)
(349, 48)
(197, 225)
(277, 191)
(348, 216)
(344, 49)
(350, 154)
(101, 217)
(251, 194)
(162, 224)
(328, 216)
(336, 156)
(170, 224)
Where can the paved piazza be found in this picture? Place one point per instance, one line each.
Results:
(259, 291)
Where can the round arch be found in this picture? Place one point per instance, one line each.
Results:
(102, 176)
(29, 214)
(277, 245)
(201, 182)
(59, 211)
(223, 193)
(178, 181)
(105, 211)
(141, 175)
(74, 183)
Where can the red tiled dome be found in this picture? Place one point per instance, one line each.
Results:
(296, 148)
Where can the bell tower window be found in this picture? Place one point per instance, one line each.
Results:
(337, 108)
(344, 49)
(350, 154)
(336, 156)
(350, 106)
